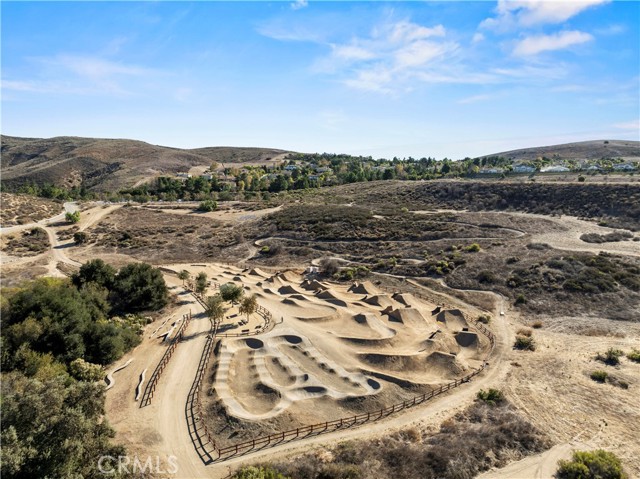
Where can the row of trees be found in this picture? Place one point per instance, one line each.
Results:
(229, 292)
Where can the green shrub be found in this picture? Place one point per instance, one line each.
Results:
(208, 205)
(72, 217)
(80, 237)
(525, 343)
(634, 355)
(491, 396)
(520, 299)
(473, 248)
(484, 318)
(611, 357)
(599, 376)
(597, 464)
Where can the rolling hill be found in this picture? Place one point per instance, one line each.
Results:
(109, 164)
(584, 150)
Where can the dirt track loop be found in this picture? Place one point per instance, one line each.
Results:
(161, 428)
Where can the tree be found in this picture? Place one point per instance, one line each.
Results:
(72, 217)
(249, 305)
(598, 464)
(84, 371)
(201, 282)
(214, 308)
(184, 275)
(139, 287)
(53, 428)
(95, 271)
(80, 237)
(231, 292)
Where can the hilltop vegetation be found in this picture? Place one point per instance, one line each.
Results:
(105, 165)
(69, 167)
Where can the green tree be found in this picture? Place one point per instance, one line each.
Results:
(95, 271)
(80, 237)
(53, 428)
(84, 371)
(201, 282)
(214, 308)
(72, 217)
(231, 292)
(184, 275)
(249, 305)
(139, 287)
(598, 464)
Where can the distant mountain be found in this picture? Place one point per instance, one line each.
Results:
(584, 150)
(106, 164)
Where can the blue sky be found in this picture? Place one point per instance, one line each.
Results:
(442, 79)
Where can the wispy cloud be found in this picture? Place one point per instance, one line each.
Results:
(474, 99)
(558, 41)
(511, 14)
(78, 74)
(633, 125)
(390, 54)
(298, 4)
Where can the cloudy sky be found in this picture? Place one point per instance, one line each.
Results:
(443, 79)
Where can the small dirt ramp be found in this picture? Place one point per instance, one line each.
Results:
(313, 285)
(288, 289)
(410, 317)
(331, 298)
(258, 272)
(453, 318)
(366, 288)
(467, 339)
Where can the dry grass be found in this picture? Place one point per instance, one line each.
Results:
(481, 437)
(31, 242)
(23, 209)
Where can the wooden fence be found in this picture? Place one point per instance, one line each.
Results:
(166, 357)
(214, 453)
(205, 444)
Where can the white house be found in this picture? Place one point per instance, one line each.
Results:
(183, 175)
(491, 171)
(207, 176)
(524, 169)
(624, 167)
(555, 169)
(291, 167)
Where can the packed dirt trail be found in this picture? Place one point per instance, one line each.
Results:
(538, 466)
(161, 427)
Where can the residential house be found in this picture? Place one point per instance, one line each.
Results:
(555, 169)
(524, 169)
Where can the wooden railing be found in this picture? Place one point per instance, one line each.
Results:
(166, 357)
(223, 453)
(205, 444)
